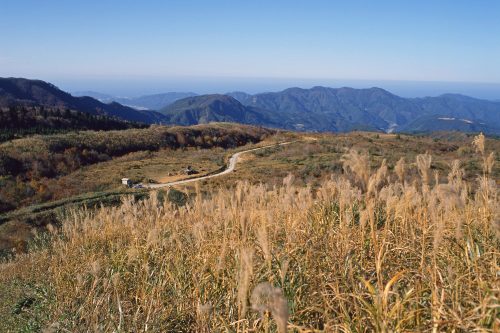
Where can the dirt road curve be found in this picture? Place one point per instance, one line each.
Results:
(230, 168)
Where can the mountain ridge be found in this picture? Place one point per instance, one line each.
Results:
(315, 109)
(374, 106)
(20, 91)
(215, 107)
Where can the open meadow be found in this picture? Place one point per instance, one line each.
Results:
(354, 232)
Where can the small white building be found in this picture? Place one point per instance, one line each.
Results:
(127, 182)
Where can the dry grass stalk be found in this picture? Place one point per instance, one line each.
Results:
(245, 276)
(266, 298)
(400, 169)
(424, 166)
(359, 165)
(479, 143)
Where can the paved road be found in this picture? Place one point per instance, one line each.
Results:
(230, 168)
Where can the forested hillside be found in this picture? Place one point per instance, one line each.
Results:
(19, 121)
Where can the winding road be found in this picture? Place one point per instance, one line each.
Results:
(230, 168)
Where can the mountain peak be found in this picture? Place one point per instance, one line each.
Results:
(214, 108)
(202, 101)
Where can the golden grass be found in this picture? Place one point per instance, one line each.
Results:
(367, 251)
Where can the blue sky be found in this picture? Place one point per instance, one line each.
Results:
(169, 44)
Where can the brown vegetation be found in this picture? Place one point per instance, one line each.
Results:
(28, 165)
(371, 250)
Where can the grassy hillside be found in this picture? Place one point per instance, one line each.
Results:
(380, 249)
(33, 170)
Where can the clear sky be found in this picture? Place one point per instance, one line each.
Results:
(111, 43)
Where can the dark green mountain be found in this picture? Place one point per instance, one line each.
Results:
(216, 108)
(16, 91)
(340, 110)
(344, 109)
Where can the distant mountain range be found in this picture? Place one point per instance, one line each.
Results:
(18, 91)
(315, 109)
(345, 109)
(146, 102)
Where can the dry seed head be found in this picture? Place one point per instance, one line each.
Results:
(51, 228)
(79, 279)
(262, 238)
(359, 164)
(288, 180)
(95, 268)
(221, 260)
(448, 197)
(400, 169)
(456, 174)
(424, 165)
(284, 269)
(487, 190)
(478, 142)
(364, 217)
(132, 254)
(153, 237)
(245, 275)
(436, 177)
(266, 298)
(115, 279)
(145, 268)
(377, 179)
(489, 162)
(204, 309)
(495, 223)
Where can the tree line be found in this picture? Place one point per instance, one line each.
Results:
(20, 121)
